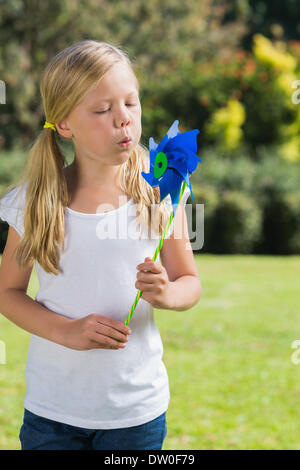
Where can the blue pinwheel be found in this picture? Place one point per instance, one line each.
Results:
(172, 161)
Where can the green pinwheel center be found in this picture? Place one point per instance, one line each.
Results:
(160, 164)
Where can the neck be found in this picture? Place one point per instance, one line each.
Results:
(89, 177)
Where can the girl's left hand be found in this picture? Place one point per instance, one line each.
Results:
(154, 284)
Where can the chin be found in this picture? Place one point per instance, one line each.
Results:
(125, 153)
(122, 158)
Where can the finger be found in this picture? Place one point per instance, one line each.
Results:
(144, 286)
(148, 278)
(96, 345)
(151, 266)
(106, 342)
(112, 333)
(116, 325)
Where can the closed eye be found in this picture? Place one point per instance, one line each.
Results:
(106, 110)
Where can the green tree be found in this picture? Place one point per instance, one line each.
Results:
(159, 36)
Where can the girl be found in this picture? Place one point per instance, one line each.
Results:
(92, 382)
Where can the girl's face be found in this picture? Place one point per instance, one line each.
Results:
(106, 115)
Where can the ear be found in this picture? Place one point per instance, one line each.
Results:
(63, 129)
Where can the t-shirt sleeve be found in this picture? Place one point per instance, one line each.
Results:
(168, 202)
(12, 209)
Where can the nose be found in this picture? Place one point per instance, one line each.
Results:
(122, 119)
(125, 123)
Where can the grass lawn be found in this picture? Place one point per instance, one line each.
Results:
(233, 384)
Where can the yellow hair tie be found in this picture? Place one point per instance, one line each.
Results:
(49, 124)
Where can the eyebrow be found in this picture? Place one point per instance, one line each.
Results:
(134, 92)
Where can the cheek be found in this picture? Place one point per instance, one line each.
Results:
(137, 118)
(87, 124)
(99, 126)
(138, 129)
(139, 111)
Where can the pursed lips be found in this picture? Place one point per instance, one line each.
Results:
(126, 139)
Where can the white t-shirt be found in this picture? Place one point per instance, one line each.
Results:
(98, 388)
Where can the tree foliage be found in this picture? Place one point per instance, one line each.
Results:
(158, 36)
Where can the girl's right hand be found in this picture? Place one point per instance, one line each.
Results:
(95, 331)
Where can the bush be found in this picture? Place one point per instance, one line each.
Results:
(11, 165)
(207, 195)
(225, 172)
(237, 224)
(293, 203)
(237, 194)
(274, 175)
(281, 224)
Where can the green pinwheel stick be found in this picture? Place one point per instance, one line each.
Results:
(171, 162)
(158, 248)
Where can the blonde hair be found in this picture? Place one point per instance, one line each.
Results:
(67, 78)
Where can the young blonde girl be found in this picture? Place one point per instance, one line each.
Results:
(92, 382)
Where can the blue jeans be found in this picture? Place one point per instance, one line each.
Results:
(38, 433)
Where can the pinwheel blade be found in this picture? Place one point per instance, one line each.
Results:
(180, 152)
